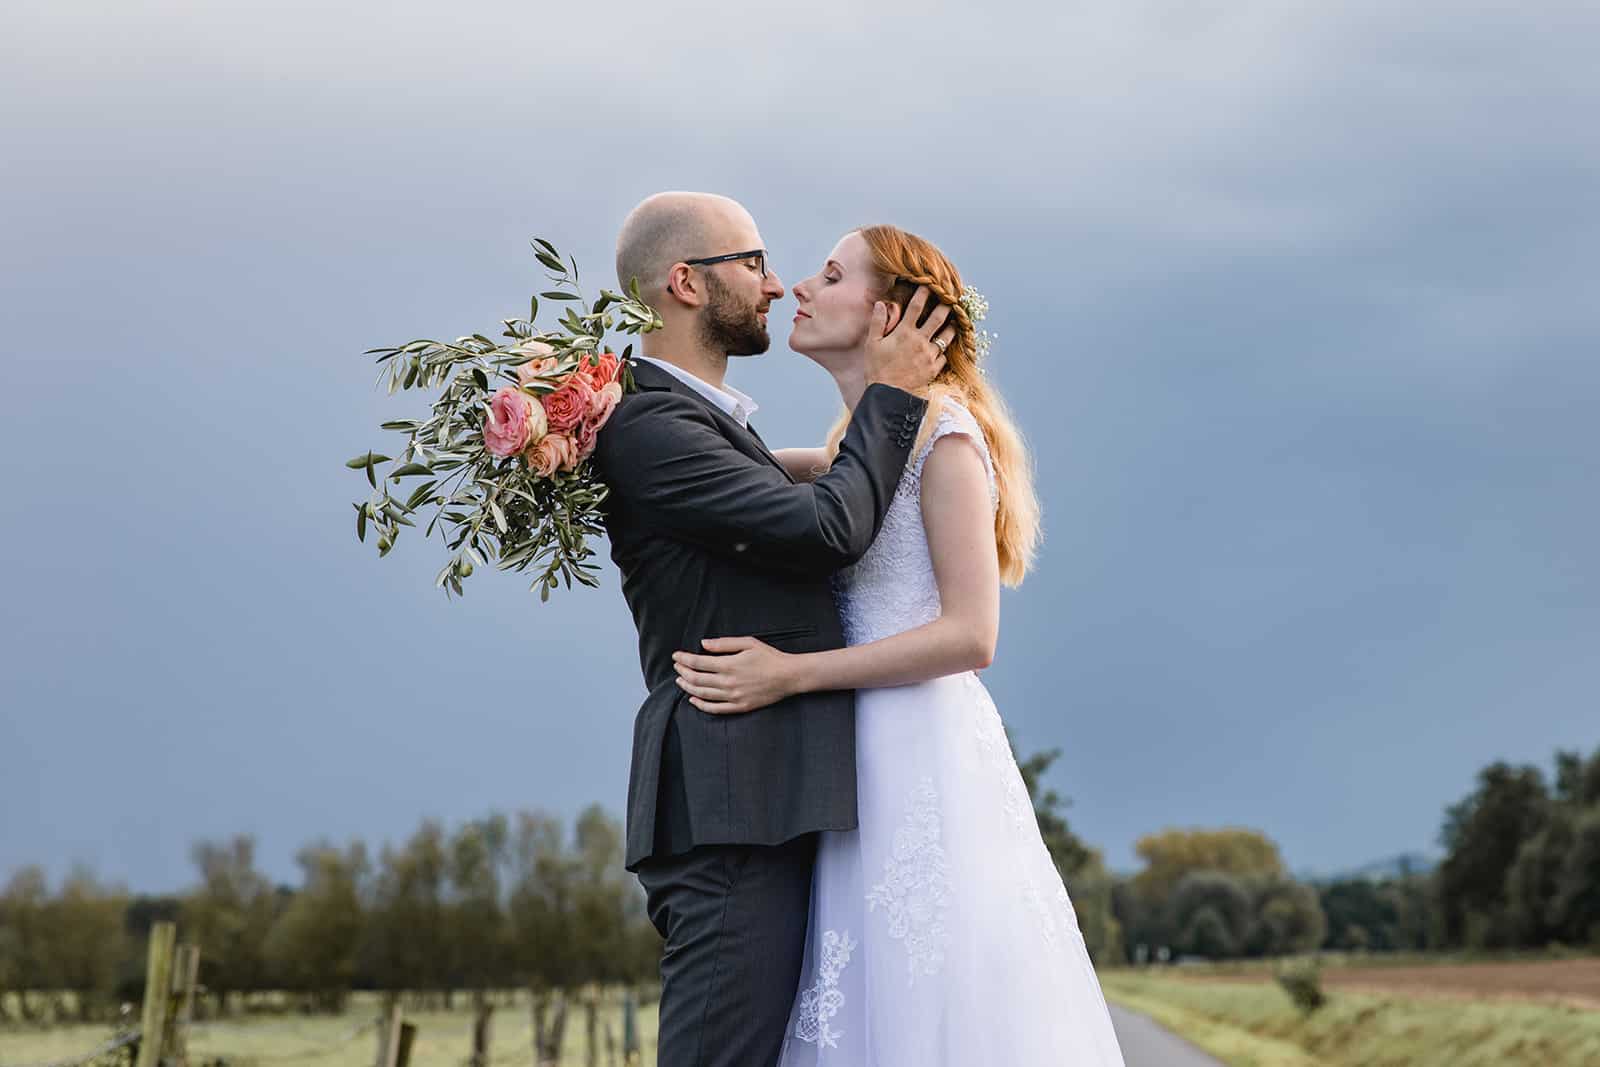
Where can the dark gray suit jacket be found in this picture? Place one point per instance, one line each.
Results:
(714, 539)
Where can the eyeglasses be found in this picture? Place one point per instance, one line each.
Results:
(760, 255)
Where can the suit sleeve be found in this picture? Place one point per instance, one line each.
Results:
(666, 460)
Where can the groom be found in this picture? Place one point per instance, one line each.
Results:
(714, 539)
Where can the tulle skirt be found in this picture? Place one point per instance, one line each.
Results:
(940, 933)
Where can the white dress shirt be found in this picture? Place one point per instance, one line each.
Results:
(728, 400)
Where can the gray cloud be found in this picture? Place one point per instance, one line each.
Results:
(1296, 304)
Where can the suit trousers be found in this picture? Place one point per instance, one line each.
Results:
(734, 918)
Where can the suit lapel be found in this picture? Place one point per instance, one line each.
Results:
(651, 378)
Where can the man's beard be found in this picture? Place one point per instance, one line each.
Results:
(731, 326)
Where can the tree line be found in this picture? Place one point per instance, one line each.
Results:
(518, 902)
(1521, 871)
(499, 903)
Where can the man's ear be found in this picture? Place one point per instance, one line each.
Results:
(683, 286)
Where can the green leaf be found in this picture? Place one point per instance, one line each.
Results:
(419, 494)
(366, 459)
(551, 262)
(410, 469)
(558, 295)
(361, 523)
(533, 309)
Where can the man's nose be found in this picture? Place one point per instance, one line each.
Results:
(772, 285)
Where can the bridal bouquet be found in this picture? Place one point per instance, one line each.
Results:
(503, 459)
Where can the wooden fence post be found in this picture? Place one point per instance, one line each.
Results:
(185, 972)
(630, 1029)
(389, 1032)
(408, 1034)
(157, 994)
(483, 1013)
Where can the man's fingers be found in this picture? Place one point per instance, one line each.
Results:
(935, 320)
(914, 306)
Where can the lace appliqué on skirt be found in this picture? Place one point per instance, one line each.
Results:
(915, 890)
(823, 1000)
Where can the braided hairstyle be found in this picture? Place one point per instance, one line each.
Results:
(904, 261)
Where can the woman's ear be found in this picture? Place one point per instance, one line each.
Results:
(895, 312)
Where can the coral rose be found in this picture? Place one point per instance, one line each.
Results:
(553, 452)
(602, 374)
(569, 405)
(512, 421)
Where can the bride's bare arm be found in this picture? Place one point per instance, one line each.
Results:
(743, 674)
(803, 464)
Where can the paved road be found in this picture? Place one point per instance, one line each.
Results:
(1144, 1044)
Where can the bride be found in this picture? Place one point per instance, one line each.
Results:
(940, 932)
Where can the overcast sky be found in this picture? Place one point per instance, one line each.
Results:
(1297, 304)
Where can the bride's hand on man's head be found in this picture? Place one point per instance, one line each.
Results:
(904, 350)
(742, 674)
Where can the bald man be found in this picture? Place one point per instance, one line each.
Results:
(714, 538)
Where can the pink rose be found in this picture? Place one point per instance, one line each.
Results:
(604, 403)
(553, 452)
(544, 360)
(584, 439)
(567, 406)
(513, 420)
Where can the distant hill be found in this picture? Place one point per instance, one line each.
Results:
(1378, 870)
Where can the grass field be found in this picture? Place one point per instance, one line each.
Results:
(1249, 1022)
(444, 1039)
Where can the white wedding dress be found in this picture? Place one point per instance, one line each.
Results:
(940, 933)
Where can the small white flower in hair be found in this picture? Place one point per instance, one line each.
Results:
(977, 308)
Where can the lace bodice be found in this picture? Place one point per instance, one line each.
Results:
(891, 589)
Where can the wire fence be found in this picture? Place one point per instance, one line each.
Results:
(120, 1051)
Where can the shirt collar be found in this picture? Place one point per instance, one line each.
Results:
(730, 401)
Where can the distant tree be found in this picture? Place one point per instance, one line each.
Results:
(1172, 854)
(1359, 915)
(1575, 906)
(1212, 913)
(407, 945)
(1288, 918)
(229, 913)
(86, 940)
(1482, 835)
(1577, 779)
(312, 948)
(1206, 933)
(26, 962)
(1534, 880)
(479, 939)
